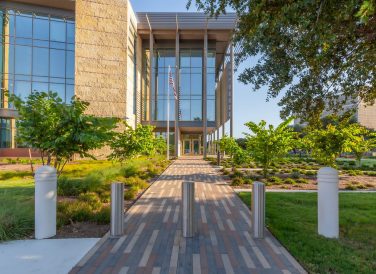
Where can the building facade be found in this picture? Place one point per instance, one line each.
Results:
(119, 62)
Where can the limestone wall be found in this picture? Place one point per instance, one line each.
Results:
(101, 55)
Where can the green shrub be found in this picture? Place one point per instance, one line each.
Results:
(103, 216)
(13, 224)
(310, 173)
(226, 172)
(274, 179)
(355, 185)
(289, 181)
(131, 193)
(302, 181)
(129, 171)
(92, 199)
(105, 196)
(237, 181)
(370, 173)
(354, 172)
(248, 181)
(93, 182)
(237, 174)
(295, 175)
(136, 182)
(75, 211)
(69, 187)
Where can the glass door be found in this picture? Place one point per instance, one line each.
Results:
(187, 146)
(196, 147)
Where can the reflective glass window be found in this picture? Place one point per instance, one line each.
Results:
(58, 31)
(40, 61)
(57, 63)
(39, 58)
(41, 29)
(23, 60)
(24, 26)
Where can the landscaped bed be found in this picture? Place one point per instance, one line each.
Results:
(295, 173)
(83, 208)
(292, 218)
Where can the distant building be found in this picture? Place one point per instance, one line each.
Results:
(364, 115)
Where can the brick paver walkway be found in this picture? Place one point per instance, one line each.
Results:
(153, 242)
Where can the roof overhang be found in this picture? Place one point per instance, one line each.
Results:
(58, 4)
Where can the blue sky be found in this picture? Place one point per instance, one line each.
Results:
(248, 105)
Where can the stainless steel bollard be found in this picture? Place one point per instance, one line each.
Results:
(188, 209)
(117, 209)
(258, 210)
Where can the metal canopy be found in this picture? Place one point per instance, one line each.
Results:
(184, 21)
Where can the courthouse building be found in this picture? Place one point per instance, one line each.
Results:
(118, 61)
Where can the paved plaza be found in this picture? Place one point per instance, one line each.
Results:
(153, 242)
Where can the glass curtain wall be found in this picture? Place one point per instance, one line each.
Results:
(190, 85)
(37, 53)
(210, 86)
(163, 59)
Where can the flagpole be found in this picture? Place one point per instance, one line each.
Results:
(168, 113)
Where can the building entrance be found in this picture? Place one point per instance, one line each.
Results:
(191, 145)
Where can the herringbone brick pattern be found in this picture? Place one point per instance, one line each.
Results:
(153, 242)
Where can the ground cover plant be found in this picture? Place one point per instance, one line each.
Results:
(292, 218)
(83, 195)
(293, 172)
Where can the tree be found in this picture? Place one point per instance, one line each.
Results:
(322, 53)
(59, 130)
(267, 144)
(362, 142)
(230, 146)
(132, 143)
(332, 139)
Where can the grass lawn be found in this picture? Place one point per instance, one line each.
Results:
(83, 191)
(292, 218)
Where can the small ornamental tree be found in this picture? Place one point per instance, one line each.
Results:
(132, 143)
(229, 146)
(329, 141)
(267, 144)
(59, 130)
(362, 143)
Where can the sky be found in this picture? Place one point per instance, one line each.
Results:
(248, 105)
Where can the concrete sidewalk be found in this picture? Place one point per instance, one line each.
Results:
(50, 256)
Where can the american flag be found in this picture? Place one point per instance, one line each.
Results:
(171, 82)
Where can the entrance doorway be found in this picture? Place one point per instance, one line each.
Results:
(191, 147)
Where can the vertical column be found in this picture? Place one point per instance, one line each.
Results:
(177, 86)
(232, 90)
(151, 72)
(204, 93)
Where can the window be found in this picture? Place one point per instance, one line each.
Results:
(5, 133)
(191, 84)
(40, 53)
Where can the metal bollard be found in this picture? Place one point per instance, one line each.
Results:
(218, 158)
(117, 209)
(327, 200)
(188, 209)
(258, 210)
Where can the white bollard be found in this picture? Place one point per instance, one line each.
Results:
(45, 202)
(258, 210)
(328, 219)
